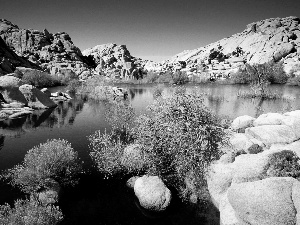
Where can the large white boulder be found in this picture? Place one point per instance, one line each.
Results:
(242, 122)
(152, 193)
(272, 134)
(270, 201)
(268, 119)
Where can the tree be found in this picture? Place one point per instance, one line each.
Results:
(259, 78)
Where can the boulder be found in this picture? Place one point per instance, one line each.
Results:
(268, 119)
(20, 114)
(272, 134)
(243, 143)
(250, 167)
(36, 99)
(10, 81)
(294, 123)
(152, 193)
(295, 113)
(283, 51)
(13, 95)
(265, 202)
(242, 122)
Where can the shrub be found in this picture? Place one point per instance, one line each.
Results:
(151, 77)
(295, 81)
(240, 77)
(39, 79)
(284, 164)
(277, 74)
(73, 86)
(30, 212)
(66, 76)
(181, 137)
(180, 78)
(107, 150)
(54, 159)
(166, 77)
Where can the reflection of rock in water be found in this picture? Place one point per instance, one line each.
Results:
(1, 141)
(65, 113)
(12, 127)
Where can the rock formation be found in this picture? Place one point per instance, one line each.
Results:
(10, 60)
(116, 60)
(275, 39)
(257, 185)
(54, 52)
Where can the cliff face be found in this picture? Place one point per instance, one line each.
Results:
(267, 40)
(50, 51)
(10, 60)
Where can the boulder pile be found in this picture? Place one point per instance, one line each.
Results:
(115, 60)
(18, 99)
(257, 180)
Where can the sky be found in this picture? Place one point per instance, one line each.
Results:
(155, 30)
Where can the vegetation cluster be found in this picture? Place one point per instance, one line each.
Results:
(54, 161)
(179, 137)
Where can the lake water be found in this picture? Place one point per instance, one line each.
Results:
(77, 119)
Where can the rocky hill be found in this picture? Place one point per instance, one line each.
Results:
(53, 52)
(10, 60)
(116, 60)
(267, 40)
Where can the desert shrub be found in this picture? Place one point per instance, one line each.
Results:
(30, 212)
(217, 54)
(73, 86)
(39, 79)
(66, 76)
(151, 77)
(54, 159)
(18, 74)
(181, 137)
(240, 77)
(294, 81)
(203, 78)
(106, 149)
(284, 164)
(166, 77)
(255, 92)
(180, 78)
(106, 152)
(277, 74)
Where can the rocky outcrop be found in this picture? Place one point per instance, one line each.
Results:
(9, 60)
(275, 39)
(152, 193)
(115, 60)
(257, 186)
(54, 52)
(36, 99)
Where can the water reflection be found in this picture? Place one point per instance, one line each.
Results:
(1, 141)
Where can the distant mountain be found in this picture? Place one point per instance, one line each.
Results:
(53, 52)
(267, 40)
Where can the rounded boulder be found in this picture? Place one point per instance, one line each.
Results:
(152, 193)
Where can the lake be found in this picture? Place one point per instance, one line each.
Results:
(77, 119)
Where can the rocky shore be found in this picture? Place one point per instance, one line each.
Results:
(256, 180)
